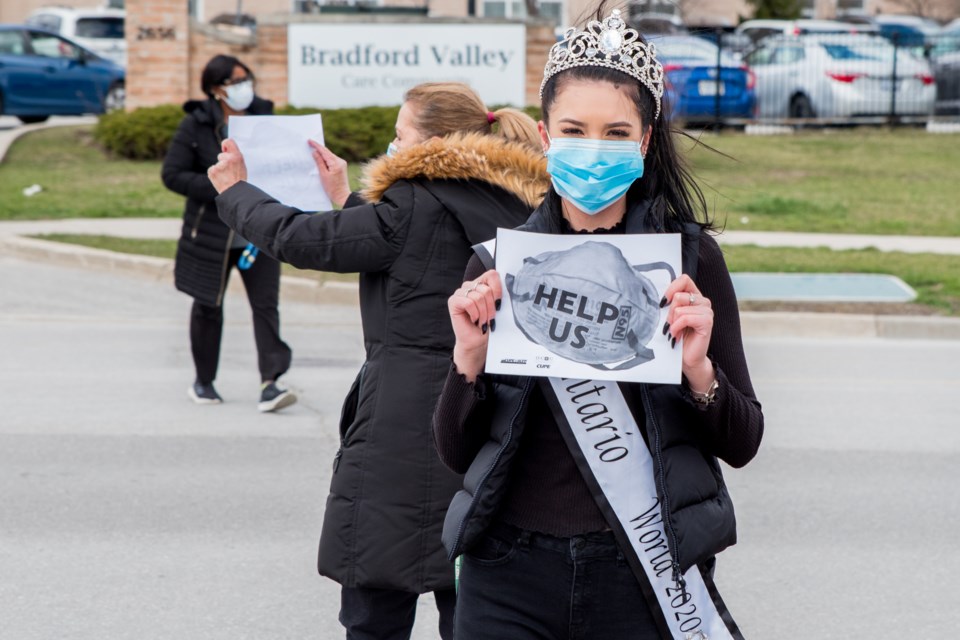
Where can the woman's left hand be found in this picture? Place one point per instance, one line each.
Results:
(691, 317)
(230, 168)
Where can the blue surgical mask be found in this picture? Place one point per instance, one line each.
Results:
(392, 149)
(593, 174)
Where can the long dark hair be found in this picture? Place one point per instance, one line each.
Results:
(667, 182)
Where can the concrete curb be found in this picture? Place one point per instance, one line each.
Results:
(756, 324)
(293, 288)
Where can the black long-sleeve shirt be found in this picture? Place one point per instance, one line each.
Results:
(546, 491)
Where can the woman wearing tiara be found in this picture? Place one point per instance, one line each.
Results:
(545, 551)
(453, 174)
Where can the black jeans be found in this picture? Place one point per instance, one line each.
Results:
(524, 586)
(262, 283)
(387, 614)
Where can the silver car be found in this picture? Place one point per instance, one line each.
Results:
(839, 76)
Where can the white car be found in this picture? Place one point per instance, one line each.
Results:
(839, 76)
(98, 29)
(757, 30)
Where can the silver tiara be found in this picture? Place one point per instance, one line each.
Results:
(608, 44)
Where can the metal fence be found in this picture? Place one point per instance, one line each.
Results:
(809, 79)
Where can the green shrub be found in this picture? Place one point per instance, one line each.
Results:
(143, 134)
(356, 135)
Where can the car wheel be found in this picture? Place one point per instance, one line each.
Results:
(115, 98)
(32, 119)
(800, 107)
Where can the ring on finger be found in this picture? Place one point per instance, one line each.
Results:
(693, 298)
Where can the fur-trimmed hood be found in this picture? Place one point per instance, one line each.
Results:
(512, 166)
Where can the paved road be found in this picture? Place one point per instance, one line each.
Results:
(128, 512)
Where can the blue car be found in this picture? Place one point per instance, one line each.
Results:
(693, 82)
(43, 74)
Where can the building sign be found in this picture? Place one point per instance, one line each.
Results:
(355, 65)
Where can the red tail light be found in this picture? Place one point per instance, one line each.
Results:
(751, 77)
(845, 77)
(926, 79)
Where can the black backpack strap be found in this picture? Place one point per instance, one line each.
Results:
(484, 254)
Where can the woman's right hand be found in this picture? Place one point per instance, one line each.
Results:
(333, 173)
(472, 310)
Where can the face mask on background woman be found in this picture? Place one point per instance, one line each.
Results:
(239, 96)
(593, 174)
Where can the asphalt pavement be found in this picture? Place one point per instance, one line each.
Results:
(129, 512)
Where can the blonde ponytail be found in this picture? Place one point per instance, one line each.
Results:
(444, 108)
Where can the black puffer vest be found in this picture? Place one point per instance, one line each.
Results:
(696, 507)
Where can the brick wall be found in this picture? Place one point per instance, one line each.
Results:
(539, 40)
(266, 55)
(167, 53)
(157, 34)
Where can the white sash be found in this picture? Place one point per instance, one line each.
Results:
(612, 446)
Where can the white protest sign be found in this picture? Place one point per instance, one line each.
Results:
(585, 307)
(279, 160)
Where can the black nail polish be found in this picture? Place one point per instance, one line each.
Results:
(673, 342)
(663, 302)
(666, 327)
(493, 325)
(483, 329)
(496, 305)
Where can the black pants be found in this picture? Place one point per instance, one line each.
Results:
(387, 614)
(262, 282)
(528, 586)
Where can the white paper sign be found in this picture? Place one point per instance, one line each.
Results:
(585, 307)
(279, 160)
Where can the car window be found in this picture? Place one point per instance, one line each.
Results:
(844, 52)
(11, 43)
(48, 21)
(867, 51)
(51, 46)
(787, 55)
(100, 28)
(760, 57)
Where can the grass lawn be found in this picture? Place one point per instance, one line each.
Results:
(81, 181)
(873, 181)
(848, 181)
(936, 278)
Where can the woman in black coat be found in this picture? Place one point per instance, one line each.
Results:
(208, 249)
(558, 538)
(448, 183)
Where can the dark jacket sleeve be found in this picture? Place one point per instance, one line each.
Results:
(734, 422)
(461, 418)
(180, 172)
(363, 238)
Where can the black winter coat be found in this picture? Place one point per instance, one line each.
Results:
(410, 242)
(203, 250)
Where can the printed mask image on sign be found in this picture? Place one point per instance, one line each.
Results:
(588, 304)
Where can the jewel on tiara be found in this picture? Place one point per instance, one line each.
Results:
(612, 44)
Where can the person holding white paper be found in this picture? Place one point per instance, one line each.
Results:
(454, 173)
(208, 250)
(595, 509)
